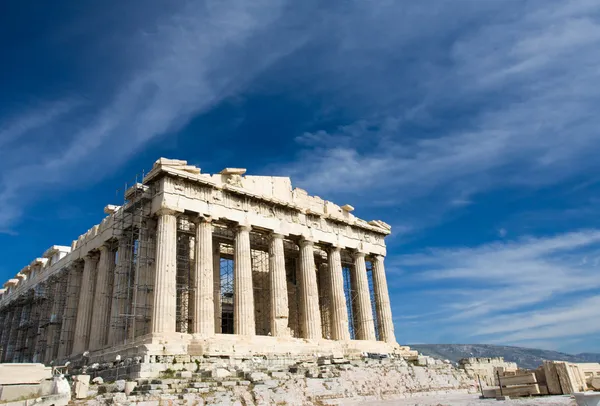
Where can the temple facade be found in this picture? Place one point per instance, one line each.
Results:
(202, 264)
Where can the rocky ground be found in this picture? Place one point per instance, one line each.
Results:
(321, 382)
(468, 400)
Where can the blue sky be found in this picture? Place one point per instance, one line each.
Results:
(470, 126)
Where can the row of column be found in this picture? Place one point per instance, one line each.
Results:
(164, 309)
(86, 313)
(40, 326)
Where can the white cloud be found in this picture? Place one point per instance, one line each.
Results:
(521, 80)
(195, 57)
(511, 292)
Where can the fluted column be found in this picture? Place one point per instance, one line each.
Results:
(310, 315)
(85, 304)
(204, 308)
(121, 294)
(365, 327)
(338, 307)
(164, 308)
(217, 287)
(22, 333)
(67, 331)
(4, 330)
(382, 302)
(51, 319)
(243, 294)
(12, 338)
(279, 293)
(102, 300)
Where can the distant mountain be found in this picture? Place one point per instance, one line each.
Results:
(529, 358)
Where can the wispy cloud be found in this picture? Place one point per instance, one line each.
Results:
(194, 58)
(514, 291)
(508, 100)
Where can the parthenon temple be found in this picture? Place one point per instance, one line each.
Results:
(197, 264)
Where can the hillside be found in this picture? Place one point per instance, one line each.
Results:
(529, 358)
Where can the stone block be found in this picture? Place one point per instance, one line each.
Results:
(13, 392)
(81, 389)
(551, 377)
(279, 375)
(257, 376)
(184, 374)
(13, 374)
(98, 380)
(129, 387)
(323, 361)
(567, 383)
(522, 379)
(120, 385)
(221, 373)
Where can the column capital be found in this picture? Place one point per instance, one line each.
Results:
(201, 218)
(166, 211)
(91, 256)
(74, 266)
(305, 242)
(244, 227)
(378, 257)
(334, 248)
(358, 254)
(103, 247)
(277, 236)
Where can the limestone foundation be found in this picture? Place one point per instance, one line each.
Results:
(194, 264)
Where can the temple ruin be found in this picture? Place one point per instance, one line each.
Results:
(198, 264)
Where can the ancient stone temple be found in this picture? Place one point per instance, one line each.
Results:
(202, 264)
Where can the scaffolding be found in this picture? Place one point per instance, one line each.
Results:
(50, 322)
(261, 284)
(75, 274)
(186, 240)
(372, 297)
(40, 321)
(24, 324)
(133, 282)
(223, 238)
(324, 290)
(292, 254)
(350, 292)
(32, 331)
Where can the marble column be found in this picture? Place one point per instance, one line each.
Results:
(22, 333)
(338, 306)
(44, 293)
(164, 308)
(382, 302)
(102, 300)
(243, 294)
(204, 306)
(3, 315)
(279, 293)
(67, 332)
(217, 287)
(121, 293)
(146, 271)
(365, 327)
(12, 338)
(85, 304)
(310, 315)
(324, 298)
(53, 305)
(4, 331)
